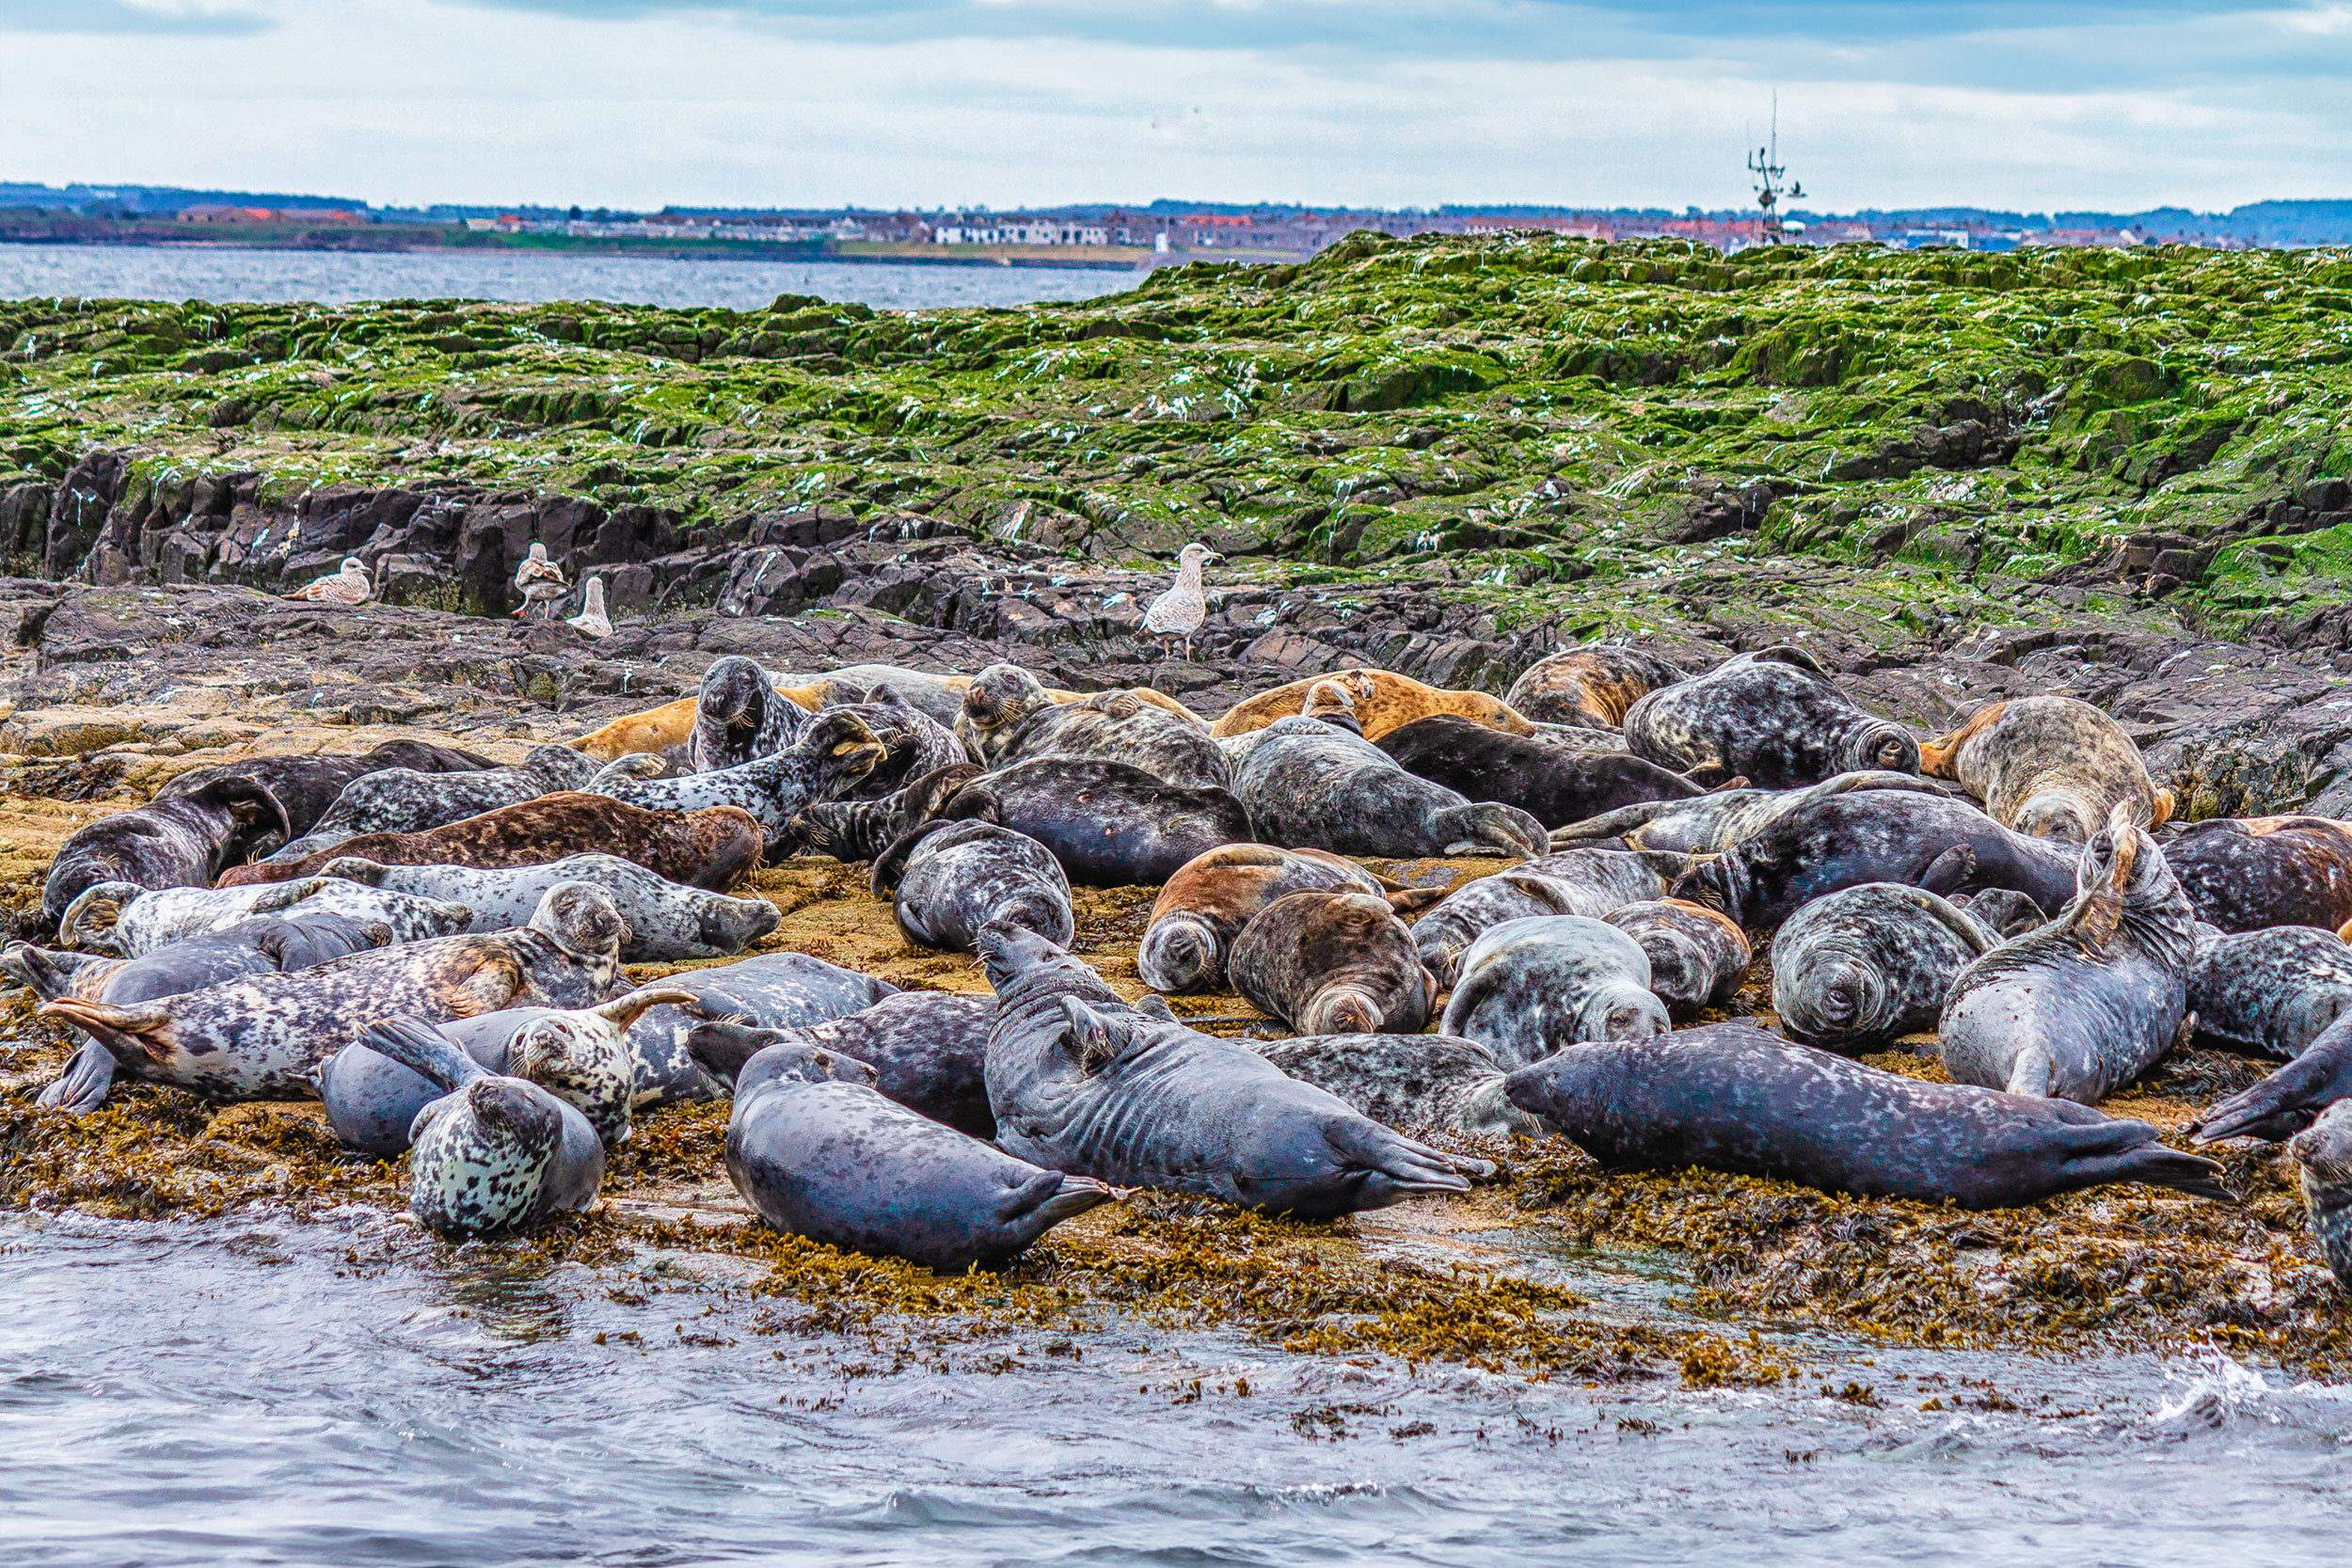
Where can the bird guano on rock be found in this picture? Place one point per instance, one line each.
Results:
(1178, 613)
(348, 585)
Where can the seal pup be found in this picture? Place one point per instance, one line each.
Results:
(1207, 902)
(1592, 686)
(408, 799)
(1178, 613)
(1333, 963)
(1551, 782)
(824, 759)
(1714, 822)
(348, 584)
(712, 849)
(125, 920)
(172, 841)
(738, 717)
(863, 830)
(492, 1153)
(1007, 717)
(2048, 767)
(929, 1049)
(667, 920)
(2292, 1098)
(1382, 701)
(2324, 1152)
(1533, 985)
(1729, 1097)
(1083, 1082)
(1856, 968)
(1307, 784)
(1109, 824)
(953, 877)
(1413, 1083)
(819, 1153)
(2245, 872)
(1773, 717)
(2084, 1005)
(258, 1038)
(2272, 990)
(1697, 955)
(305, 787)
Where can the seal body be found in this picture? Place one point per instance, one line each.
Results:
(667, 920)
(712, 849)
(1593, 686)
(1858, 967)
(2324, 1152)
(408, 800)
(738, 717)
(1383, 701)
(1697, 955)
(667, 732)
(953, 877)
(1206, 903)
(1772, 717)
(1308, 784)
(1470, 912)
(306, 786)
(913, 743)
(1729, 1097)
(2051, 766)
(172, 841)
(1714, 822)
(1333, 963)
(929, 1051)
(1008, 716)
(1109, 824)
(866, 830)
(133, 920)
(2271, 990)
(1081, 1082)
(2084, 1005)
(1413, 1083)
(1551, 782)
(2245, 872)
(1531, 986)
(825, 757)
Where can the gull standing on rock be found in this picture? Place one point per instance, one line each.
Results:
(1180, 612)
(541, 582)
(591, 620)
(349, 585)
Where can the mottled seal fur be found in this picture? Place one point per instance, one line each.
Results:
(1697, 955)
(1207, 902)
(492, 1153)
(667, 920)
(1549, 783)
(130, 921)
(306, 786)
(2324, 1152)
(929, 1049)
(2272, 990)
(1109, 824)
(1081, 1082)
(1383, 701)
(866, 830)
(825, 757)
(1008, 716)
(1533, 985)
(1592, 686)
(172, 841)
(1729, 1097)
(2004, 912)
(740, 717)
(1772, 717)
(1308, 784)
(258, 1038)
(1446, 932)
(712, 849)
(912, 742)
(953, 877)
(2079, 1007)
(2245, 872)
(2050, 767)
(1856, 968)
(819, 1153)
(1333, 963)
(408, 799)
(1413, 1083)
(1714, 822)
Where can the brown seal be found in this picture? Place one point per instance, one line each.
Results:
(709, 849)
(1333, 963)
(2248, 872)
(1382, 701)
(1590, 686)
(2048, 767)
(1205, 904)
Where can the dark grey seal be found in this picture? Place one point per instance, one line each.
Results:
(1413, 1083)
(2290, 1098)
(2272, 990)
(1856, 968)
(866, 830)
(1553, 784)
(1531, 986)
(2324, 1150)
(173, 841)
(1772, 717)
(1333, 963)
(409, 799)
(2245, 872)
(1729, 1097)
(912, 742)
(931, 1048)
(1472, 910)
(1697, 955)
(1109, 824)
(1008, 716)
(740, 717)
(1714, 822)
(1310, 785)
(1081, 1082)
(306, 786)
(953, 877)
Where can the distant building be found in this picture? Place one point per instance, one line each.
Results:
(225, 215)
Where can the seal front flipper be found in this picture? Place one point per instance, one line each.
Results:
(89, 921)
(1394, 1167)
(424, 1048)
(83, 1086)
(2290, 1099)
(1948, 871)
(51, 976)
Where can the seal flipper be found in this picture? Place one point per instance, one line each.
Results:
(892, 862)
(424, 1048)
(2290, 1099)
(1488, 828)
(134, 1034)
(2115, 1149)
(1948, 871)
(1046, 1200)
(623, 1011)
(51, 976)
(1394, 1166)
(83, 1086)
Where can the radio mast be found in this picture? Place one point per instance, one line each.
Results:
(1764, 163)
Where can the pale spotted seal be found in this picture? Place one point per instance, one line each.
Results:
(667, 920)
(828, 755)
(1382, 701)
(1772, 717)
(1533, 985)
(1552, 783)
(950, 878)
(931, 1048)
(1592, 686)
(408, 799)
(1729, 1097)
(1470, 912)
(1310, 785)
(740, 717)
(2271, 990)
(2051, 766)
(1697, 955)
(1008, 716)
(130, 921)
(1204, 906)
(1714, 822)
(1856, 968)
(2324, 1150)
(172, 841)
(1413, 1083)
(1333, 963)
(2245, 872)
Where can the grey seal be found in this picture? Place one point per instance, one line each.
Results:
(130, 922)
(829, 755)
(950, 878)
(2245, 872)
(740, 717)
(1413, 1083)
(667, 920)
(2004, 912)
(1556, 785)
(1205, 904)
(2290, 1098)
(1856, 968)
(1697, 955)
(1533, 985)
(929, 1049)
(1772, 717)
(1008, 716)
(2271, 990)
(173, 841)
(1333, 963)
(1714, 822)
(2324, 1150)
(408, 800)
(912, 742)
(1109, 824)
(1307, 784)
(1729, 1097)
(866, 830)
(1590, 882)
(2051, 766)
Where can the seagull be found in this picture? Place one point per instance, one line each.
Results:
(348, 586)
(541, 582)
(591, 620)
(1180, 612)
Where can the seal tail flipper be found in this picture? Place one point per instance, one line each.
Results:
(424, 1049)
(1396, 1167)
(89, 921)
(83, 1086)
(1609, 824)
(286, 894)
(138, 1033)
(1049, 1198)
(1488, 826)
(2128, 1151)
(623, 1011)
(2289, 1100)
(52, 976)
(354, 868)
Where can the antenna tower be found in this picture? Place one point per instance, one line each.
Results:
(1764, 163)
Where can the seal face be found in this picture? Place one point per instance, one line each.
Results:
(2324, 1152)
(172, 841)
(2245, 873)
(2086, 1004)
(954, 878)
(1382, 701)
(408, 799)
(929, 1051)
(1413, 1083)
(1008, 716)
(1858, 967)
(738, 718)
(1109, 824)
(1531, 986)
(1552, 783)
(1307, 784)
(1083, 1082)
(1729, 1097)
(2048, 767)
(2271, 990)
(1593, 686)
(1333, 963)
(1697, 956)
(1206, 903)
(1773, 717)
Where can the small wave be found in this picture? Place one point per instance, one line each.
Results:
(2224, 1395)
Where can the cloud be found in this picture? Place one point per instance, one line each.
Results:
(216, 17)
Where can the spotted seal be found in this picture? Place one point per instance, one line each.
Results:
(1333, 963)
(1592, 686)
(866, 830)
(1773, 717)
(1008, 718)
(1714, 822)
(2049, 767)
(1081, 1082)
(1697, 955)
(258, 1038)
(306, 786)
(1551, 782)
(2324, 1150)
(667, 920)
(912, 742)
(713, 849)
(819, 1153)
(1109, 824)
(1470, 912)
(825, 757)
(1207, 902)
(2245, 872)
(2271, 990)
(2081, 1007)
(1533, 985)
(1856, 968)
(929, 1049)
(1382, 699)
(950, 878)
(128, 921)
(1310, 784)
(740, 717)
(1413, 1083)
(1729, 1097)
(407, 800)
(172, 841)
(492, 1153)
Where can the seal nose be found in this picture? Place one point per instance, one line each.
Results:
(1631, 1021)
(1350, 1013)
(1844, 997)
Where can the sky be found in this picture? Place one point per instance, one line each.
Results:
(2092, 105)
